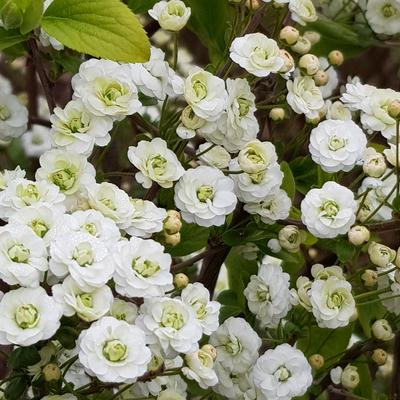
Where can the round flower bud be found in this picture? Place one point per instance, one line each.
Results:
(290, 238)
(335, 57)
(380, 254)
(289, 35)
(350, 377)
(316, 361)
(374, 163)
(288, 61)
(274, 245)
(309, 64)
(277, 114)
(382, 330)
(369, 277)
(358, 235)
(211, 350)
(354, 316)
(253, 4)
(172, 223)
(190, 119)
(321, 77)
(51, 372)
(312, 36)
(302, 46)
(379, 356)
(181, 281)
(173, 239)
(313, 253)
(394, 109)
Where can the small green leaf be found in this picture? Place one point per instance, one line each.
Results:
(10, 38)
(345, 250)
(23, 357)
(141, 6)
(32, 16)
(67, 336)
(101, 28)
(16, 387)
(396, 204)
(193, 238)
(288, 183)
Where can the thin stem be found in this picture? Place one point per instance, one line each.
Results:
(124, 389)
(371, 293)
(202, 152)
(378, 300)
(145, 125)
(381, 205)
(175, 54)
(179, 266)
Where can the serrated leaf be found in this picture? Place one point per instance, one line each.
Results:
(10, 38)
(101, 28)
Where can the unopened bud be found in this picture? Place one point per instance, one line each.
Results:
(369, 277)
(289, 35)
(288, 61)
(321, 78)
(336, 58)
(312, 36)
(379, 356)
(172, 223)
(51, 372)
(302, 46)
(380, 254)
(382, 330)
(211, 350)
(181, 281)
(394, 109)
(313, 253)
(290, 238)
(316, 361)
(309, 64)
(358, 235)
(374, 164)
(190, 119)
(350, 377)
(172, 240)
(277, 114)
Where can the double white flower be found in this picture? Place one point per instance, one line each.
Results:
(172, 15)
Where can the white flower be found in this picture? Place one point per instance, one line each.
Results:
(124, 311)
(380, 254)
(171, 323)
(337, 110)
(302, 11)
(45, 39)
(257, 54)
(273, 207)
(304, 97)
(172, 15)
(36, 141)
(337, 145)
(114, 351)
(155, 78)
(77, 130)
(155, 162)
(205, 196)
(332, 302)
(13, 117)
(374, 164)
(237, 345)
(69, 171)
(256, 187)
(28, 316)
(89, 306)
(76, 373)
(23, 256)
(268, 295)
(329, 211)
(383, 16)
(112, 202)
(356, 95)
(7, 176)
(5, 85)
(190, 122)
(391, 155)
(196, 296)
(199, 367)
(256, 156)
(84, 257)
(106, 89)
(335, 375)
(141, 268)
(282, 373)
(216, 156)
(205, 93)
(333, 79)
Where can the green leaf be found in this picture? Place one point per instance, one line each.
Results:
(101, 28)
(16, 387)
(11, 14)
(364, 389)
(23, 357)
(288, 183)
(32, 16)
(10, 38)
(396, 204)
(67, 336)
(193, 238)
(141, 6)
(345, 250)
(369, 313)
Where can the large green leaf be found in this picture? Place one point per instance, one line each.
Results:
(288, 183)
(33, 11)
(101, 28)
(193, 238)
(10, 38)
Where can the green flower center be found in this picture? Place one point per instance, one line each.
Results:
(145, 268)
(39, 227)
(86, 299)
(389, 11)
(26, 316)
(4, 113)
(244, 106)
(176, 9)
(254, 157)
(18, 253)
(336, 299)
(158, 164)
(115, 350)
(330, 209)
(200, 309)
(282, 373)
(83, 254)
(336, 143)
(172, 318)
(200, 89)
(120, 316)
(64, 178)
(205, 192)
(233, 346)
(110, 92)
(28, 194)
(90, 228)
(108, 203)
(262, 294)
(257, 178)
(75, 125)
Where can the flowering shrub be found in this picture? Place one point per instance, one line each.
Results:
(197, 202)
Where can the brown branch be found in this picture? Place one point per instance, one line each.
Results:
(152, 27)
(39, 121)
(187, 263)
(145, 125)
(344, 393)
(152, 192)
(31, 89)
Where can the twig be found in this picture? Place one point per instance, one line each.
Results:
(187, 263)
(39, 121)
(152, 192)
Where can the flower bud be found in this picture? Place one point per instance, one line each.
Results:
(277, 114)
(313, 253)
(354, 316)
(290, 238)
(379, 356)
(369, 277)
(358, 235)
(190, 119)
(289, 35)
(171, 15)
(253, 4)
(350, 377)
(335, 57)
(302, 46)
(380, 254)
(172, 240)
(288, 61)
(181, 281)
(316, 361)
(172, 223)
(394, 109)
(382, 330)
(312, 36)
(374, 163)
(309, 64)
(211, 350)
(274, 245)
(321, 78)
(51, 372)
